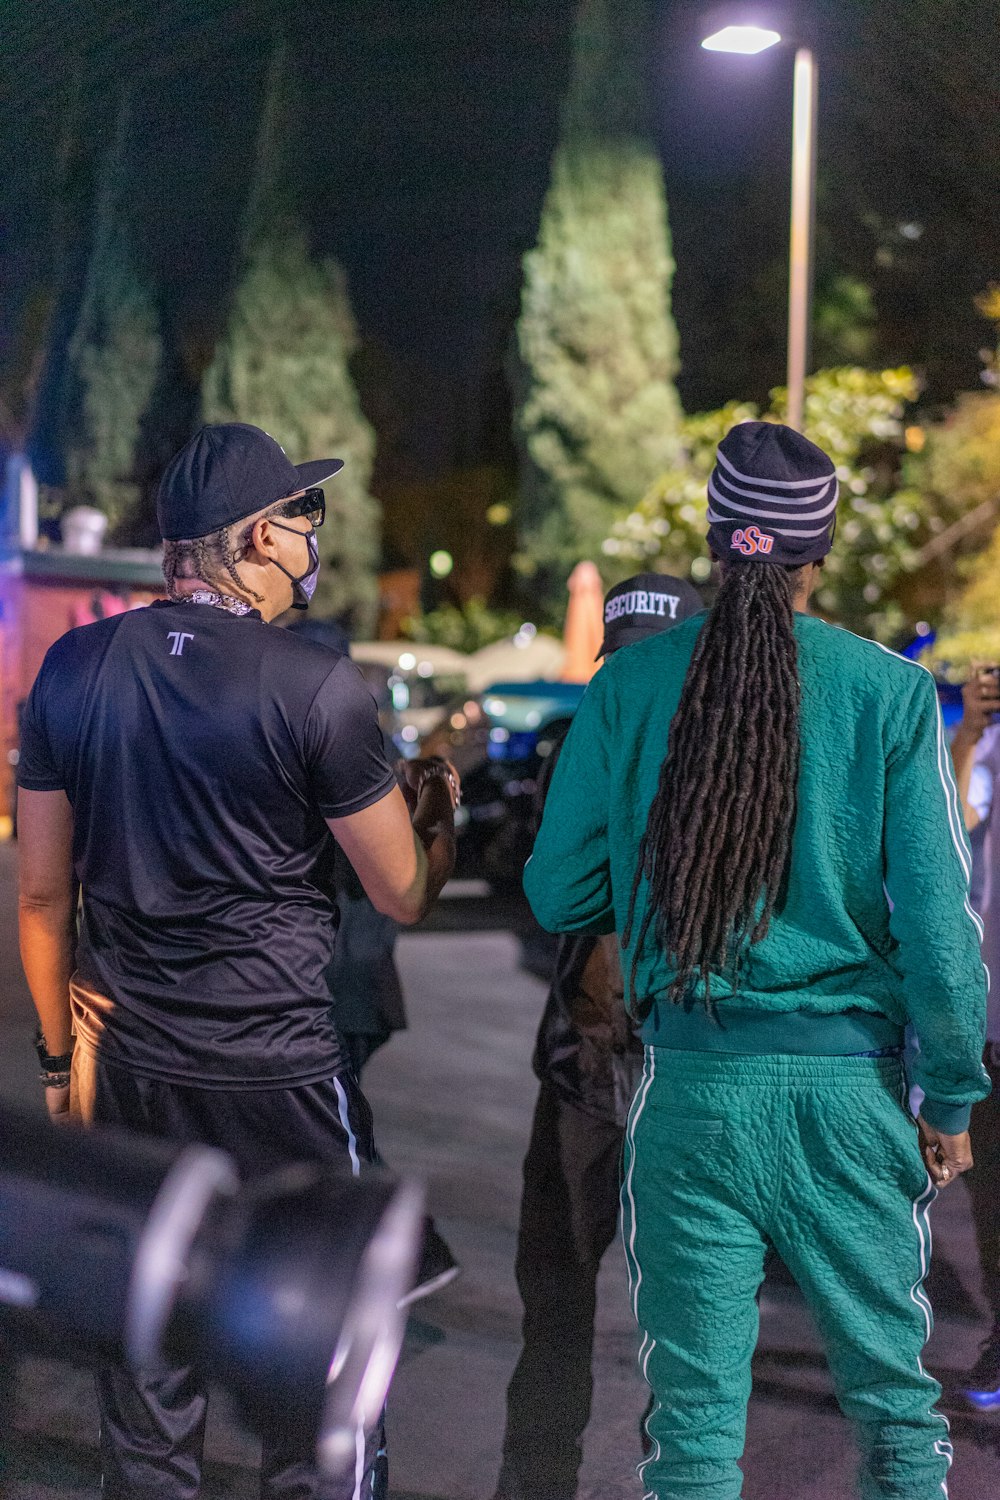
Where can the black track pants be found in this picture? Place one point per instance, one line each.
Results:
(569, 1215)
(984, 1181)
(152, 1430)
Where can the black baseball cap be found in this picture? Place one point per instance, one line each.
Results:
(645, 605)
(227, 472)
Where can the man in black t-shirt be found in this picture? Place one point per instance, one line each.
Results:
(185, 764)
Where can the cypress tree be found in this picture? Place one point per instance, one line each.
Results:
(114, 354)
(599, 418)
(283, 362)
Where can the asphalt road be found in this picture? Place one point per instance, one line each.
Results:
(452, 1100)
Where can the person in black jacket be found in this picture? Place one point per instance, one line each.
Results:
(588, 1061)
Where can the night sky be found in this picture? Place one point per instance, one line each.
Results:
(426, 129)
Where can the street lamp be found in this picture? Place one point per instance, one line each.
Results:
(749, 40)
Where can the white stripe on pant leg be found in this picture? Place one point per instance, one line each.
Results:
(383, 1452)
(352, 1149)
(917, 1293)
(352, 1143)
(638, 1105)
(359, 1461)
(656, 1450)
(631, 1258)
(921, 1209)
(942, 1445)
(645, 1353)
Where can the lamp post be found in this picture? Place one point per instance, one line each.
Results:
(750, 40)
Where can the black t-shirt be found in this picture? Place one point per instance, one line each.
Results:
(201, 752)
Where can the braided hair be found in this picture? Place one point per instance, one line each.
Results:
(209, 557)
(716, 846)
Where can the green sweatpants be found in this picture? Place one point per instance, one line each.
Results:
(819, 1157)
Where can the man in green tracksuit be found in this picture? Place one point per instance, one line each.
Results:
(772, 1107)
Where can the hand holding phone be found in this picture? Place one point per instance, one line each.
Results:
(981, 699)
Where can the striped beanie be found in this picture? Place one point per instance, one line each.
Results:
(772, 497)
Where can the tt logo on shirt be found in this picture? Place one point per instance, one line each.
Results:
(178, 637)
(752, 540)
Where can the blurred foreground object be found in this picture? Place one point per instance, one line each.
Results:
(117, 1249)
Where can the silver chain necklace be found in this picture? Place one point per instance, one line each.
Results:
(217, 601)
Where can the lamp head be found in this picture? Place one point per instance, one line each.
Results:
(747, 27)
(746, 39)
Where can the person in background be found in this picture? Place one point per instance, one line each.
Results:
(366, 995)
(362, 975)
(366, 1004)
(185, 765)
(364, 981)
(588, 1060)
(761, 805)
(976, 751)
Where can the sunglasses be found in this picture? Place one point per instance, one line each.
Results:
(311, 503)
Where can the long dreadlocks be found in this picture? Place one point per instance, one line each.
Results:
(718, 836)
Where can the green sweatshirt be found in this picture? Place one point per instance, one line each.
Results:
(876, 929)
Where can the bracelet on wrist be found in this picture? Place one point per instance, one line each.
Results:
(55, 1080)
(49, 1064)
(440, 773)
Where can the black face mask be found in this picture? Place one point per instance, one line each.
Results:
(303, 586)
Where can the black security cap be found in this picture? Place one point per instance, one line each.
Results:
(227, 472)
(645, 605)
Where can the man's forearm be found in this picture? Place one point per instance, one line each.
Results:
(47, 938)
(434, 830)
(440, 854)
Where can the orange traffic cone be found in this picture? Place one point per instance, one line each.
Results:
(583, 631)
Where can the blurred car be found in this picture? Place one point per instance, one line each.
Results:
(528, 656)
(412, 685)
(497, 741)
